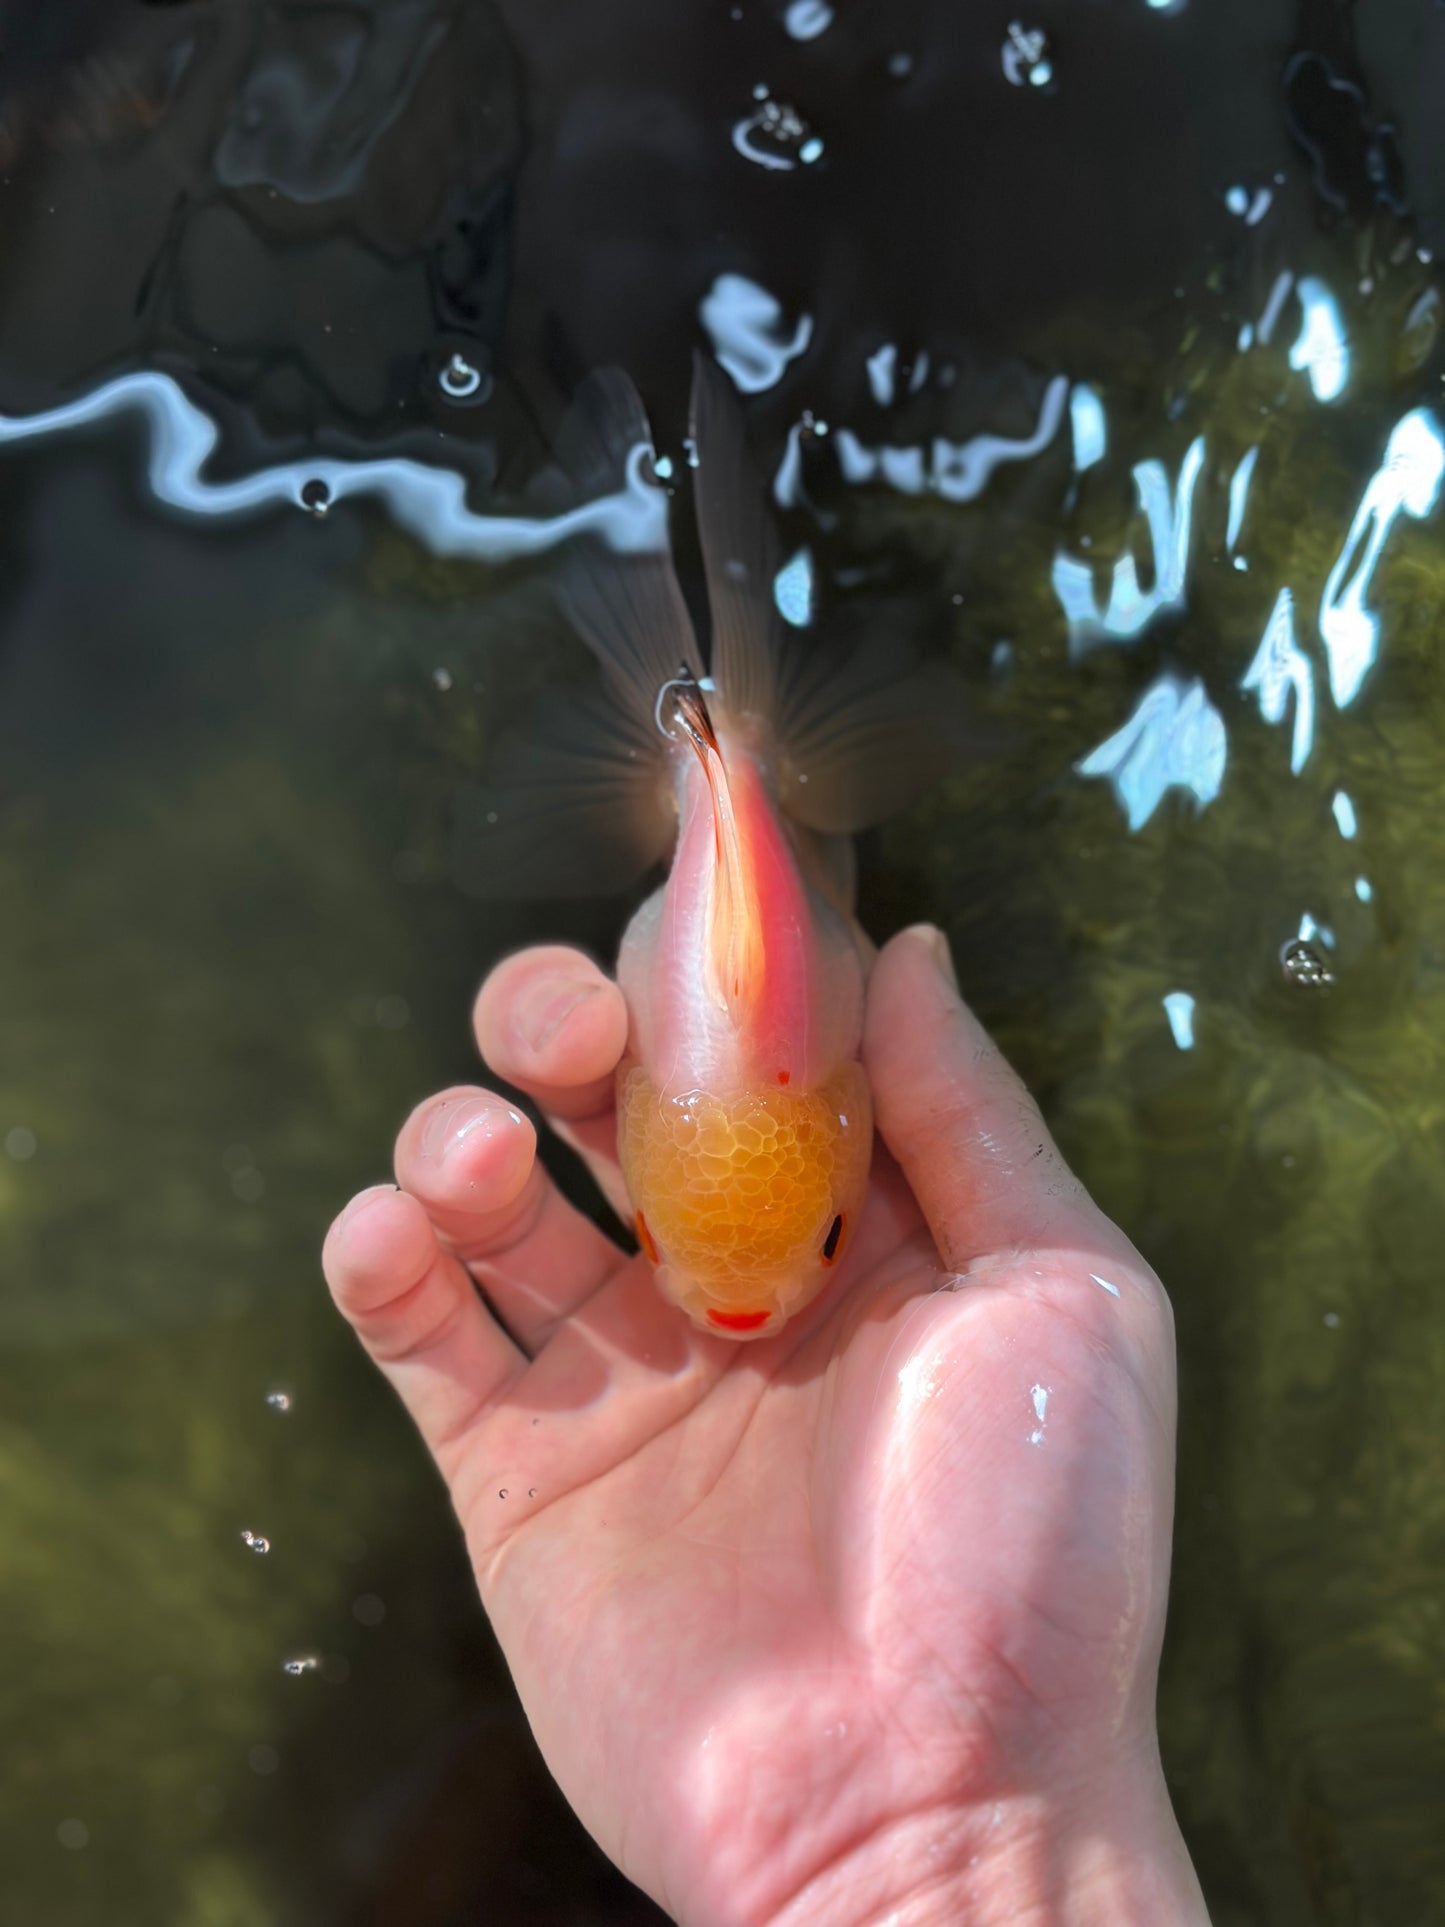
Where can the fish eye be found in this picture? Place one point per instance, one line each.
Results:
(833, 1243)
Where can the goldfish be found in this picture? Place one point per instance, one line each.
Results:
(744, 1120)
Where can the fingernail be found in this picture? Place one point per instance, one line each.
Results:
(455, 1119)
(938, 949)
(543, 1013)
(362, 1203)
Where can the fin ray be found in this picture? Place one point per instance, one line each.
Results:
(577, 804)
(860, 742)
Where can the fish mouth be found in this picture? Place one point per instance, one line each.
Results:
(740, 1323)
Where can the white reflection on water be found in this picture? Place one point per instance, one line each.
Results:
(430, 503)
(1280, 666)
(1239, 495)
(1344, 811)
(881, 367)
(959, 471)
(1407, 480)
(1086, 419)
(746, 325)
(793, 589)
(1129, 607)
(1179, 1009)
(1278, 295)
(1320, 348)
(1174, 739)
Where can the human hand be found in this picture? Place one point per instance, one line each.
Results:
(857, 1623)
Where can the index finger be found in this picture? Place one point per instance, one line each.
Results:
(970, 1139)
(553, 1024)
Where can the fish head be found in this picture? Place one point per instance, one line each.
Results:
(745, 1199)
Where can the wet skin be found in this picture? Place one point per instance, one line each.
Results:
(854, 1623)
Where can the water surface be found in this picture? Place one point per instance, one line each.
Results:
(1073, 340)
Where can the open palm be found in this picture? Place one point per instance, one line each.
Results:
(856, 1623)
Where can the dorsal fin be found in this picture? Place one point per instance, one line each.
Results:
(857, 737)
(739, 549)
(735, 948)
(627, 607)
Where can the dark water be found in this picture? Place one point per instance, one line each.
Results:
(233, 953)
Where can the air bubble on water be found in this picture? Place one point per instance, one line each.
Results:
(1026, 61)
(20, 1143)
(806, 19)
(393, 1013)
(900, 65)
(316, 496)
(662, 468)
(303, 1663)
(775, 134)
(441, 679)
(254, 1541)
(279, 1401)
(1304, 966)
(73, 1834)
(459, 380)
(367, 1609)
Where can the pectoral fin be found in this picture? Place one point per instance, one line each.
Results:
(576, 804)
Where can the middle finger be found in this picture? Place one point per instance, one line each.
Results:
(469, 1157)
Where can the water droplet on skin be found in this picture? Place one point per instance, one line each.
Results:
(254, 1540)
(531, 1491)
(503, 1493)
(316, 496)
(1026, 60)
(279, 1401)
(1304, 967)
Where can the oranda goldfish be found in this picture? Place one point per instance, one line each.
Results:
(744, 1122)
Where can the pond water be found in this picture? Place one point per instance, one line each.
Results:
(1097, 345)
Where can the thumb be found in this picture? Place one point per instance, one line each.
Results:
(969, 1138)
